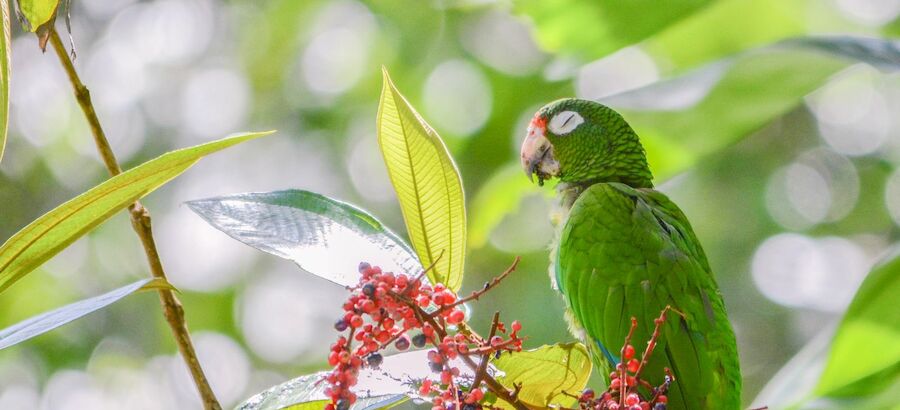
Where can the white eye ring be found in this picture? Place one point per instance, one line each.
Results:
(564, 122)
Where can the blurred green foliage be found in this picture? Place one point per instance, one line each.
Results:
(748, 154)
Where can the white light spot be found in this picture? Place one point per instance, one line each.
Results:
(853, 116)
(458, 97)
(367, 171)
(72, 390)
(215, 102)
(225, 364)
(870, 12)
(337, 56)
(502, 42)
(282, 315)
(795, 270)
(623, 70)
(808, 192)
(565, 122)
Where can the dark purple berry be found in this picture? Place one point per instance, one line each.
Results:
(363, 266)
(436, 367)
(343, 404)
(402, 343)
(374, 360)
(368, 289)
(341, 325)
(659, 406)
(469, 407)
(419, 340)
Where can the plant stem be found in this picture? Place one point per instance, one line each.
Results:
(140, 221)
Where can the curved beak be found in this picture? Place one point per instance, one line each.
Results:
(537, 153)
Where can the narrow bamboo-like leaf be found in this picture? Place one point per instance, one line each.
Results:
(326, 237)
(52, 232)
(48, 321)
(546, 374)
(394, 381)
(37, 12)
(865, 353)
(593, 28)
(5, 53)
(427, 184)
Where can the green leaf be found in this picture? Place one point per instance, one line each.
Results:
(865, 354)
(52, 232)
(308, 393)
(545, 373)
(427, 184)
(394, 381)
(48, 321)
(594, 28)
(5, 52)
(325, 237)
(37, 12)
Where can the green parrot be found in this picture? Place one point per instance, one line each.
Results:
(625, 250)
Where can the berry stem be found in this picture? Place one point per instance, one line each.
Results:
(477, 294)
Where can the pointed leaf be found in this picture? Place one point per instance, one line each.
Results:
(546, 373)
(5, 52)
(427, 184)
(52, 232)
(593, 28)
(865, 353)
(326, 237)
(48, 321)
(37, 12)
(395, 380)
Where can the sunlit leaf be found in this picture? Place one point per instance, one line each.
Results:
(593, 28)
(5, 52)
(48, 321)
(545, 373)
(395, 380)
(37, 12)
(324, 236)
(52, 232)
(427, 184)
(865, 353)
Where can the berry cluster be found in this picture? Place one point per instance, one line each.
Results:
(383, 309)
(624, 387)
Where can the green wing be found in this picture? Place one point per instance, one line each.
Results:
(625, 252)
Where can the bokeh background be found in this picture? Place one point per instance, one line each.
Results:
(792, 215)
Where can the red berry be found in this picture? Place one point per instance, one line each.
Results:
(496, 341)
(633, 365)
(455, 317)
(632, 399)
(629, 352)
(356, 321)
(662, 399)
(516, 326)
(425, 389)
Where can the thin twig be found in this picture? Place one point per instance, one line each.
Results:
(501, 391)
(477, 294)
(140, 221)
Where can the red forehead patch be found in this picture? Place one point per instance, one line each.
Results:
(538, 122)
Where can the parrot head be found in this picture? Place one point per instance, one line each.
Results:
(583, 142)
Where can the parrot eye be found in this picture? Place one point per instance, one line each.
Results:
(565, 122)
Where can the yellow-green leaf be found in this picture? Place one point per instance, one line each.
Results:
(5, 50)
(52, 232)
(37, 12)
(427, 184)
(548, 375)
